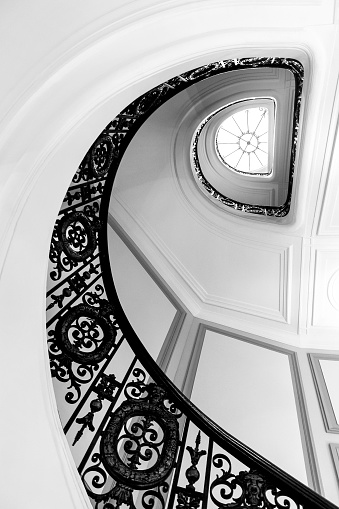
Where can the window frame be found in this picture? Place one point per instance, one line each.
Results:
(235, 107)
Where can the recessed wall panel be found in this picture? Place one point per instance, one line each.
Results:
(147, 308)
(248, 391)
(330, 369)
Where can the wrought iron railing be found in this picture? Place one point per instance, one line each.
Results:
(135, 438)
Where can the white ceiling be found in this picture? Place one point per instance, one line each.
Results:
(278, 278)
(207, 111)
(67, 68)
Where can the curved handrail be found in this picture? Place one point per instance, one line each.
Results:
(87, 327)
(300, 492)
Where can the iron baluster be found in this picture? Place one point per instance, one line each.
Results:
(95, 319)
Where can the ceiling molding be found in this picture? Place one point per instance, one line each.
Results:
(152, 249)
(151, 244)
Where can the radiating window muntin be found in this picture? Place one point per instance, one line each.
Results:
(244, 139)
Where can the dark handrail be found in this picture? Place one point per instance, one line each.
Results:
(298, 490)
(83, 297)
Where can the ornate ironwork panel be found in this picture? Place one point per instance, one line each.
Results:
(136, 440)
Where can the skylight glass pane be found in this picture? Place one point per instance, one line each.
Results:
(242, 141)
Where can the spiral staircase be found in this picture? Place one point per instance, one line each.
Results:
(107, 424)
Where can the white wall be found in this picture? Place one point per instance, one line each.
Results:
(248, 391)
(147, 308)
(67, 69)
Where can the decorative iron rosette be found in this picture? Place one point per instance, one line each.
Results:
(101, 156)
(141, 432)
(77, 235)
(136, 442)
(85, 333)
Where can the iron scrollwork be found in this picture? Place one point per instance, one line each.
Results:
(101, 156)
(139, 445)
(189, 498)
(74, 239)
(77, 236)
(82, 338)
(138, 448)
(246, 490)
(138, 442)
(85, 333)
(105, 390)
(192, 473)
(271, 211)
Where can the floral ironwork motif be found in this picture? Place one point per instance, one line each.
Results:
(187, 497)
(105, 389)
(188, 501)
(147, 434)
(77, 236)
(74, 240)
(85, 333)
(138, 447)
(101, 156)
(87, 420)
(139, 421)
(192, 473)
(248, 489)
(82, 338)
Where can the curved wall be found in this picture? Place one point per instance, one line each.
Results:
(72, 68)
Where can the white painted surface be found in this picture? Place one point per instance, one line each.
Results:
(330, 369)
(224, 267)
(320, 437)
(325, 310)
(67, 69)
(248, 391)
(147, 308)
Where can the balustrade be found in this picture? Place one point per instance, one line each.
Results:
(136, 439)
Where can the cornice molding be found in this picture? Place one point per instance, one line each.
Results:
(172, 269)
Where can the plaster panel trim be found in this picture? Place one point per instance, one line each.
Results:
(152, 250)
(334, 448)
(328, 224)
(325, 288)
(192, 367)
(312, 467)
(329, 418)
(78, 110)
(171, 338)
(332, 290)
(282, 314)
(311, 462)
(324, 222)
(149, 238)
